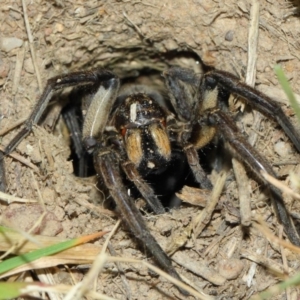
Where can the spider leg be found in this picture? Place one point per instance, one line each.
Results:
(106, 85)
(2, 174)
(254, 98)
(178, 80)
(71, 118)
(243, 151)
(144, 188)
(198, 172)
(106, 163)
(133, 174)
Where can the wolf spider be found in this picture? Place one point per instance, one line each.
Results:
(130, 134)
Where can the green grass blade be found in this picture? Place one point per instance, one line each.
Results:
(17, 261)
(288, 90)
(9, 290)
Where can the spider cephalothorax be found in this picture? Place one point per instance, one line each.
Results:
(131, 134)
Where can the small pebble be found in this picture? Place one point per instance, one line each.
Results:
(28, 65)
(229, 35)
(230, 268)
(283, 149)
(9, 43)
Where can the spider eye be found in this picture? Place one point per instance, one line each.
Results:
(210, 82)
(90, 143)
(123, 131)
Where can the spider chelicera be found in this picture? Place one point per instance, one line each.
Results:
(130, 134)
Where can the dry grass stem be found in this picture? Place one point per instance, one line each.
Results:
(204, 217)
(239, 170)
(121, 272)
(31, 46)
(242, 181)
(23, 160)
(19, 122)
(280, 185)
(80, 289)
(272, 266)
(18, 69)
(10, 199)
(263, 228)
(199, 268)
(165, 275)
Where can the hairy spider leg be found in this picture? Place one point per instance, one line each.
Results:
(144, 188)
(241, 149)
(255, 99)
(90, 78)
(212, 85)
(107, 164)
(184, 103)
(72, 115)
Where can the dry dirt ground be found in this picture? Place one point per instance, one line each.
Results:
(127, 36)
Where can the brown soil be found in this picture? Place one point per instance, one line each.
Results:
(127, 36)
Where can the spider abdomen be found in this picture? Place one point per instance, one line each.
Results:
(141, 122)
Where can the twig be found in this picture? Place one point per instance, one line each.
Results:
(270, 264)
(251, 65)
(9, 199)
(199, 268)
(263, 228)
(18, 68)
(26, 236)
(170, 278)
(134, 26)
(63, 288)
(32, 51)
(242, 181)
(204, 217)
(285, 262)
(280, 185)
(252, 43)
(80, 289)
(121, 272)
(3, 131)
(239, 170)
(23, 160)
